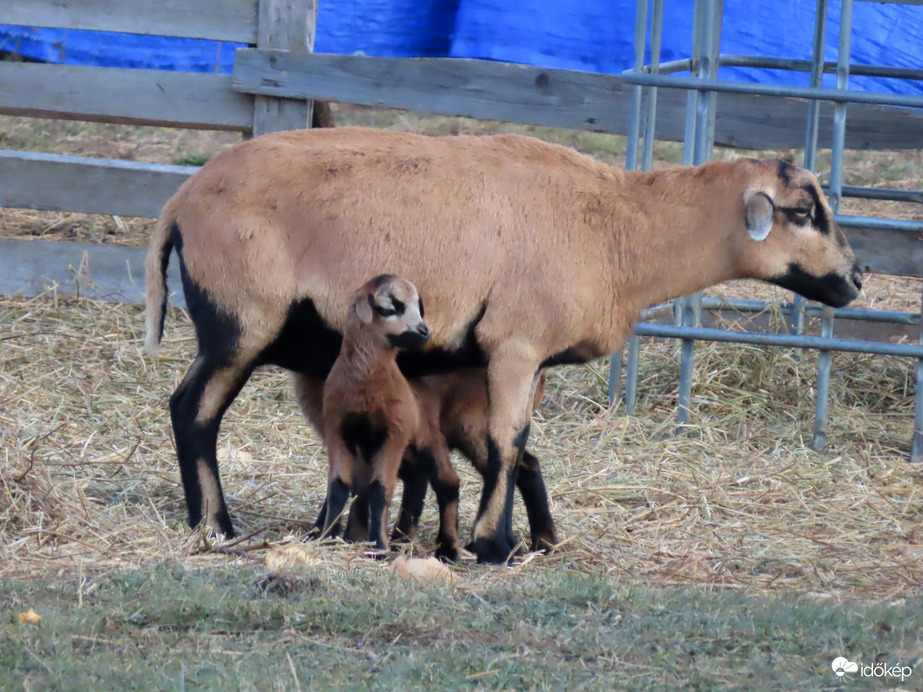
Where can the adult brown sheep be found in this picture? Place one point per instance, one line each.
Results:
(529, 255)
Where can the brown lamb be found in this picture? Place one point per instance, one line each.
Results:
(371, 415)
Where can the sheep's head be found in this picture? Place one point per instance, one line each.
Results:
(794, 241)
(390, 307)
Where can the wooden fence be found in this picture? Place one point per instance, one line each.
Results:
(270, 89)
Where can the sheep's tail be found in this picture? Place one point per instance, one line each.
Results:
(155, 270)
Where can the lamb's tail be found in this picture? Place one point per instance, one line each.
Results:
(155, 270)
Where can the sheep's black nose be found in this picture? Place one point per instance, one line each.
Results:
(857, 277)
(423, 330)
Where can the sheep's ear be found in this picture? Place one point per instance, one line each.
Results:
(760, 214)
(364, 310)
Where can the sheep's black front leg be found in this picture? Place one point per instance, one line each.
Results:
(509, 387)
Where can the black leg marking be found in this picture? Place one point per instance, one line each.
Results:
(318, 527)
(416, 482)
(362, 439)
(377, 519)
(535, 497)
(306, 343)
(447, 541)
(337, 496)
(519, 442)
(218, 334)
(197, 441)
(357, 525)
(496, 549)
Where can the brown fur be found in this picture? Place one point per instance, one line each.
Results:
(453, 414)
(541, 254)
(366, 392)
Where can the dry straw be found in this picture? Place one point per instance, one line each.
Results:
(88, 478)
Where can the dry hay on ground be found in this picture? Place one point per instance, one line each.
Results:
(88, 477)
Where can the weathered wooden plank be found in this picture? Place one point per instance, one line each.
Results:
(97, 186)
(109, 272)
(157, 97)
(286, 25)
(223, 20)
(555, 98)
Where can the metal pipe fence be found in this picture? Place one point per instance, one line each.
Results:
(703, 87)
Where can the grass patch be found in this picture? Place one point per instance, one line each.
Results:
(192, 158)
(168, 627)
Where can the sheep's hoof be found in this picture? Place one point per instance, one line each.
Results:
(493, 551)
(447, 553)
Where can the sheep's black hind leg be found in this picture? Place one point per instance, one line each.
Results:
(535, 497)
(196, 409)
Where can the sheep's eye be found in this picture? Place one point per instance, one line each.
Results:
(399, 306)
(802, 214)
(385, 312)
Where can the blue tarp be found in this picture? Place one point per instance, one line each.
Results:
(592, 35)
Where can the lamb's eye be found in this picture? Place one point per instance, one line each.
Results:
(801, 214)
(385, 312)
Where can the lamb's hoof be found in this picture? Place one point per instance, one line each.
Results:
(447, 553)
(400, 537)
(544, 542)
(493, 551)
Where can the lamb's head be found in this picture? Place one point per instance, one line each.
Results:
(793, 240)
(390, 307)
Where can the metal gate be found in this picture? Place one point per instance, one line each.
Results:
(702, 87)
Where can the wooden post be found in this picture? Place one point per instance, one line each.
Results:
(287, 25)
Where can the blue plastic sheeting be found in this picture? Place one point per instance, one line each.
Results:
(592, 35)
(598, 36)
(386, 28)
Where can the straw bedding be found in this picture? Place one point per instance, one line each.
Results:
(88, 478)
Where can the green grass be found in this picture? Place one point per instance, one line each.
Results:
(170, 628)
(192, 158)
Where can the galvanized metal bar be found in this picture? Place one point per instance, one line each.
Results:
(636, 77)
(631, 152)
(836, 189)
(650, 123)
(899, 225)
(715, 22)
(789, 64)
(916, 444)
(813, 309)
(826, 343)
(632, 365)
(633, 358)
(693, 144)
(882, 193)
(686, 363)
(813, 124)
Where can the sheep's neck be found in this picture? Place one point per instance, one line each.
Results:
(366, 358)
(682, 239)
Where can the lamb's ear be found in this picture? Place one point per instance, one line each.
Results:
(760, 215)
(364, 310)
